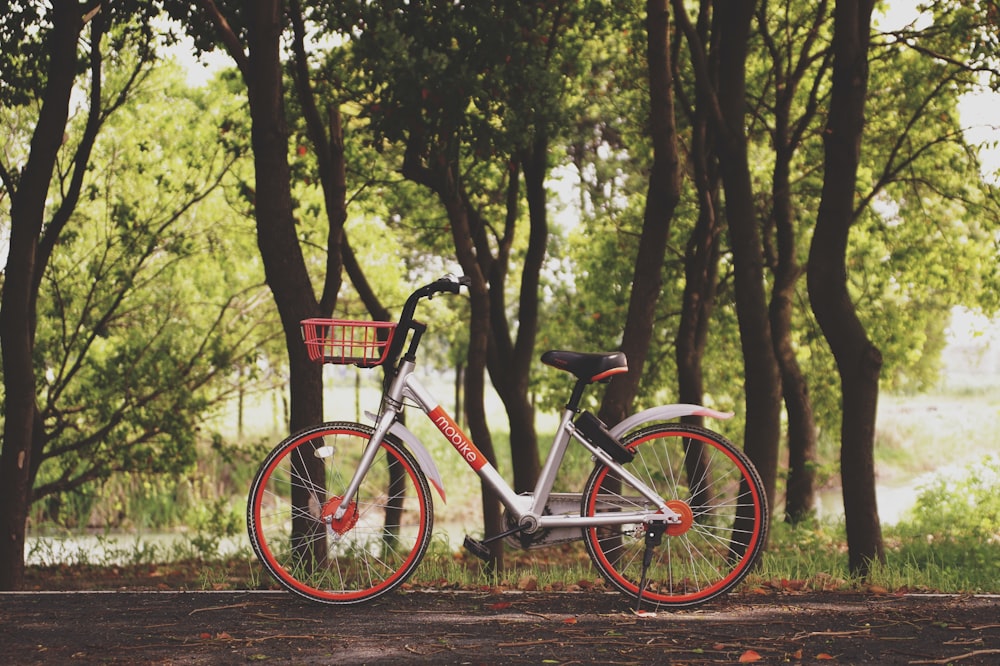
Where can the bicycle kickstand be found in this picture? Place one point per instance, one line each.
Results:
(654, 537)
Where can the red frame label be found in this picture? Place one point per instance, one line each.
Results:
(457, 438)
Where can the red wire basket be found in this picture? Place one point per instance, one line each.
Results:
(361, 343)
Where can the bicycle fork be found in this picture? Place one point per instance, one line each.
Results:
(385, 422)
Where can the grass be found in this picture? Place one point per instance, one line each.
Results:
(811, 556)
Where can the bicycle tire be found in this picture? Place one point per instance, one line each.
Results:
(369, 552)
(720, 497)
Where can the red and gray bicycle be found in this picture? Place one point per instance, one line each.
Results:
(672, 514)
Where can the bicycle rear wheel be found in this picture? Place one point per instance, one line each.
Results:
(372, 549)
(717, 492)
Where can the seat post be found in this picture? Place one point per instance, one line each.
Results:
(577, 395)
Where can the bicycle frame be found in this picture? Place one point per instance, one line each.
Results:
(527, 509)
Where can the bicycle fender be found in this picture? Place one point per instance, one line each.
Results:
(666, 413)
(423, 457)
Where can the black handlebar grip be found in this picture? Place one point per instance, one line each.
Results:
(451, 284)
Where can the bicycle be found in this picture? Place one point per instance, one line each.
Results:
(672, 515)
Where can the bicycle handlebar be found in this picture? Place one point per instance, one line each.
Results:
(450, 284)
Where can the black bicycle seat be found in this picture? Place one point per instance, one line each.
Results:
(589, 367)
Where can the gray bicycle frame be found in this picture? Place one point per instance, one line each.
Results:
(528, 509)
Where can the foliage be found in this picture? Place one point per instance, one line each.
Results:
(138, 334)
(955, 524)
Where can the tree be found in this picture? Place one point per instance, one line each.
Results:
(727, 98)
(142, 320)
(796, 58)
(703, 248)
(472, 94)
(662, 196)
(858, 359)
(64, 36)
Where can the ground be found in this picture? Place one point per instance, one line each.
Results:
(160, 624)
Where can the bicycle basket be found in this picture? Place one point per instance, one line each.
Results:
(361, 343)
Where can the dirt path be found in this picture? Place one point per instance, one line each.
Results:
(507, 628)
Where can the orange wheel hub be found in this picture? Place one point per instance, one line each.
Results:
(349, 519)
(687, 517)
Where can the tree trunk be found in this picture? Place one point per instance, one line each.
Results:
(762, 380)
(444, 181)
(475, 374)
(510, 361)
(790, 58)
(662, 196)
(859, 362)
(18, 309)
(475, 410)
(328, 142)
(800, 495)
(701, 264)
(284, 266)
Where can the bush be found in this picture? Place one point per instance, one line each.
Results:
(955, 526)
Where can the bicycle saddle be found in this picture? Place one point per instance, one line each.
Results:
(585, 366)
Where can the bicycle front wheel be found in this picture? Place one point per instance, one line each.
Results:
(719, 496)
(372, 549)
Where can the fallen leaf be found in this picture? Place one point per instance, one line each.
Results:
(825, 656)
(750, 656)
(500, 605)
(569, 620)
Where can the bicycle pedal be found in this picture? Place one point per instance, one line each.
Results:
(477, 548)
